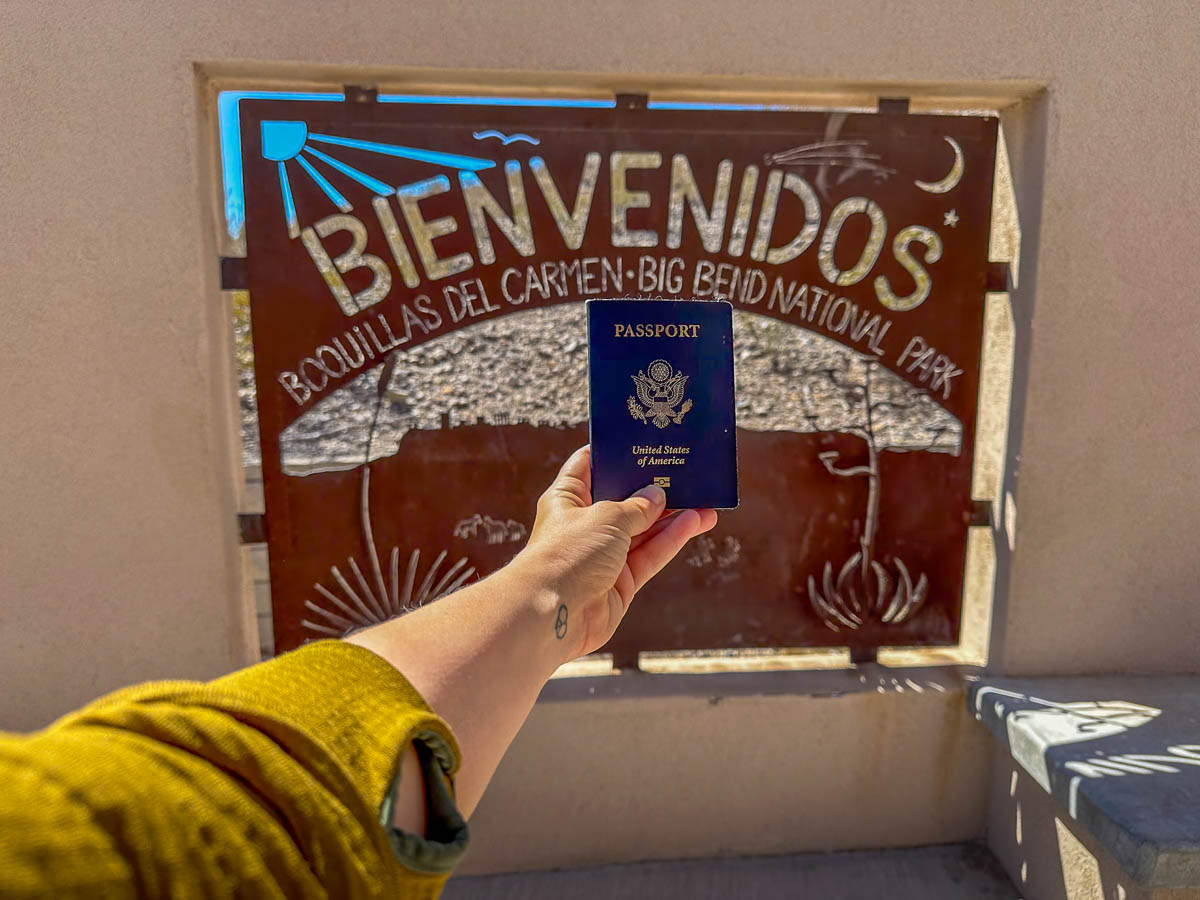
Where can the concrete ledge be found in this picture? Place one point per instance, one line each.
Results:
(863, 679)
(1120, 754)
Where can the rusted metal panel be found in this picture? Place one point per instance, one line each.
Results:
(415, 273)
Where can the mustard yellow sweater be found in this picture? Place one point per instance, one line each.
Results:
(275, 781)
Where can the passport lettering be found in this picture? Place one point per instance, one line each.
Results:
(661, 385)
(654, 456)
(644, 329)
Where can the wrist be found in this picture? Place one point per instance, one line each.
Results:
(532, 580)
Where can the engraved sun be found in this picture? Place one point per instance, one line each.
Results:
(284, 142)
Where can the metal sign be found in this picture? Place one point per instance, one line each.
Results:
(415, 275)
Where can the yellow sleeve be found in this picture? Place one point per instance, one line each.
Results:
(275, 781)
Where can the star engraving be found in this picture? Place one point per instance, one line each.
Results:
(950, 218)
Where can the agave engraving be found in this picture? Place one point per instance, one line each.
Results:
(864, 589)
(363, 607)
(369, 605)
(850, 599)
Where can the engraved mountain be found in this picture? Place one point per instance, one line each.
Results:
(789, 379)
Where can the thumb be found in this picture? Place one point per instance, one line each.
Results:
(572, 486)
(641, 510)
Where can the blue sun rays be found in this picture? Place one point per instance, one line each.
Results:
(231, 141)
(284, 141)
(323, 183)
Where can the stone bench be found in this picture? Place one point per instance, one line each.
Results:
(1120, 755)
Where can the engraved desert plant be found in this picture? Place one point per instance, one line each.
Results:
(864, 589)
(377, 599)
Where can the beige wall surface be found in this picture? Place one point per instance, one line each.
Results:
(674, 778)
(118, 559)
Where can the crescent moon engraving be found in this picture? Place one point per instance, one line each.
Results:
(950, 182)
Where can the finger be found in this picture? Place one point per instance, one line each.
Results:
(663, 521)
(708, 520)
(640, 511)
(579, 465)
(648, 560)
(572, 486)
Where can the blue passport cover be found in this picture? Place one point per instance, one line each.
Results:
(660, 375)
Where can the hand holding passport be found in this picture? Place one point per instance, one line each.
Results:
(660, 376)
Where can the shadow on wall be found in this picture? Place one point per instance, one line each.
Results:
(1049, 857)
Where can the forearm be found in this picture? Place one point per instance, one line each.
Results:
(479, 658)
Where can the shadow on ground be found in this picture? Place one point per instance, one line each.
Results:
(955, 872)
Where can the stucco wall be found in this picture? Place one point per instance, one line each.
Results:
(118, 559)
(598, 781)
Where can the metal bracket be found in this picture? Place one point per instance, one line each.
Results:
(893, 106)
(253, 528)
(361, 93)
(626, 662)
(233, 273)
(862, 655)
(999, 277)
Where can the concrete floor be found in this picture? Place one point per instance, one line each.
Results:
(955, 872)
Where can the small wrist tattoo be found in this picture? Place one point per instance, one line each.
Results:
(560, 622)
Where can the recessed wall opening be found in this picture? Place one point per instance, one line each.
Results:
(431, 367)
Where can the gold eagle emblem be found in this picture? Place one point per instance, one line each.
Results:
(659, 390)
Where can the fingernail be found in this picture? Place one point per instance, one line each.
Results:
(653, 493)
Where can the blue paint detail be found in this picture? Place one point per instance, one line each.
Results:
(229, 123)
(441, 182)
(504, 139)
(231, 138)
(283, 140)
(560, 102)
(687, 104)
(323, 183)
(289, 205)
(470, 179)
(451, 160)
(361, 177)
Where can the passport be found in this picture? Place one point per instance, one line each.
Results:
(660, 379)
